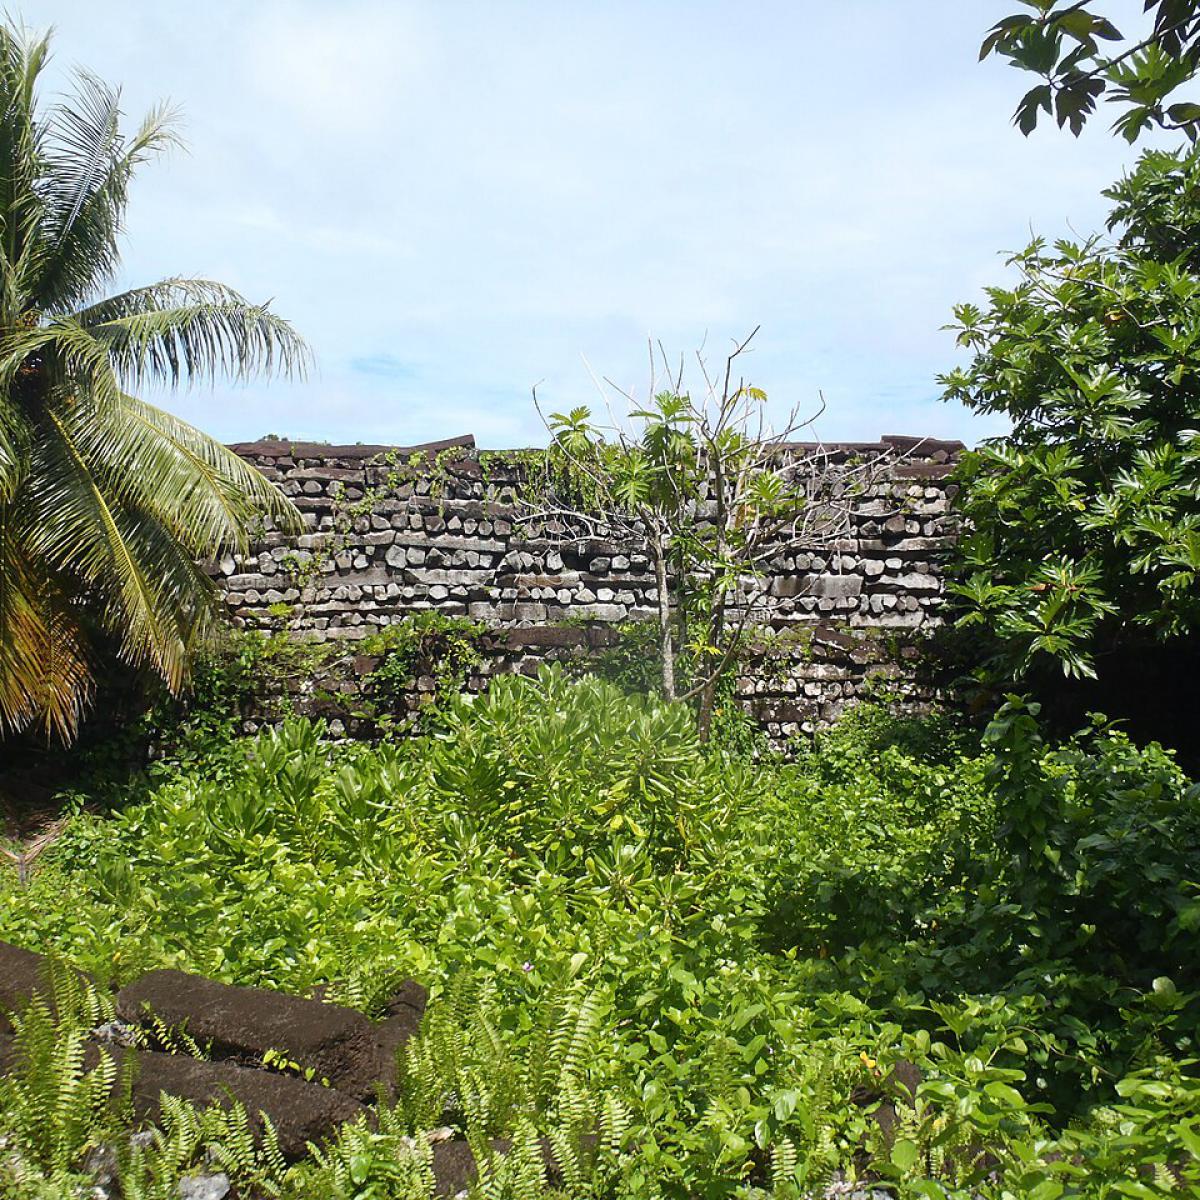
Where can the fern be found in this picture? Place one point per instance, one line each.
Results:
(174, 1039)
(190, 1139)
(363, 1163)
(784, 1161)
(517, 1175)
(60, 1101)
(150, 1169)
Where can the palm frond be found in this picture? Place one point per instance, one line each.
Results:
(22, 59)
(208, 497)
(174, 292)
(190, 342)
(44, 670)
(67, 357)
(140, 582)
(14, 437)
(84, 183)
(84, 138)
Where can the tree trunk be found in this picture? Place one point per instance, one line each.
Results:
(665, 641)
(708, 693)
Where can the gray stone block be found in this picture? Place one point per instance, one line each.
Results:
(837, 586)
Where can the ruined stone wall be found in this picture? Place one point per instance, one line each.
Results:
(446, 537)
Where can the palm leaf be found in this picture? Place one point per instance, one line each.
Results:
(44, 672)
(174, 292)
(22, 59)
(14, 436)
(207, 496)
(189, 342)
(67, 356)
(85, 184)
(82, 530)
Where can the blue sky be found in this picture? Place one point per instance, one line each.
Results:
(455, 201)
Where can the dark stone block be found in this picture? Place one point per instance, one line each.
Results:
(835, 638)
(337, 1043)
(546, 636)
(837, 586)
(926, 447)
(788, 587)
(409, 1000)
(301, 1112)
(923, 470)
(23, 975)
(401, 1021)
(904, 1079)
(281, 447)
(454, 1168)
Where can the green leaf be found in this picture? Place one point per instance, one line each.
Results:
(905, 1154)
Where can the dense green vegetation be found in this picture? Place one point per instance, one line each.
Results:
(952, 960)
(1085, 518)
(715, 962)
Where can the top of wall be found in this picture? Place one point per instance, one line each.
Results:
(286, 448)
(919, 451)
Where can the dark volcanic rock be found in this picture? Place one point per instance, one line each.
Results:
(408, 1002)
(301, 1112)
(454, 1168)
(336, 1043)
(402, 1020)
(24, 974)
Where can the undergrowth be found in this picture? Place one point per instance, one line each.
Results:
(722, 969)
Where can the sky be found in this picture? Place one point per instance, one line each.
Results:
(455, 201)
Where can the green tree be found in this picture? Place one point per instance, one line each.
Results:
(106, 502)
(1082, 56)
(711, 494)
(1085, 519)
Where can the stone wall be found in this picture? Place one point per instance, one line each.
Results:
(393, 531)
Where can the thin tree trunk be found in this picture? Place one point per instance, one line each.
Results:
(665, 641)
(708, 693)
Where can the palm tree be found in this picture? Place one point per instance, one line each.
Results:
(107, 503)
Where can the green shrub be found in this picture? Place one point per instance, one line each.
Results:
(718, 962)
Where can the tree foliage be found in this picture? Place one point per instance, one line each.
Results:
(1085, 518)
(712, 493)
(1082, 56)
(106, 502)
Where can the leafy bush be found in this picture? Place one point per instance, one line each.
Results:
(725, 967)
(1084, 520)
(429, 643)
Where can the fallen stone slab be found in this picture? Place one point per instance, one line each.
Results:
(401, 1020)
(408, 1002)
(454, 1168)
(23, 975)
(300, 1112)
(337, 1044)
